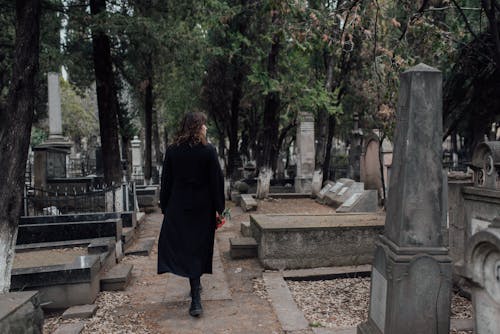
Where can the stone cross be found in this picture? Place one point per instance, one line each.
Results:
(305, 153)
(411, 273)
(55, 116)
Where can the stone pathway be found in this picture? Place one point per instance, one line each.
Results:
(230, 306)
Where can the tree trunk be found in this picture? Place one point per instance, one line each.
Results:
(322, 120)
(156, 139)
(233, 160)
(148, 125)
(270, 128)
(328, 153)
(15, 130)
(107, 99)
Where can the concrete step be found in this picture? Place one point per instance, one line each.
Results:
(80, 311)
(242, 248)
(245, 229)
(128, 236)
(141, 248)
(117, 278)
(248, 203)
(72, 328)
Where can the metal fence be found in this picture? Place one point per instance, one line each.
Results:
(67, 200)
(78, 167)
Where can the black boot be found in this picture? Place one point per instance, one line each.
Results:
(195, 309)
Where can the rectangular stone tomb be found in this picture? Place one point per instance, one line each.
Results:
(147, 196)
(129, 218)
(20, 312)
(61, 285)
(310, 241)
(63, 231)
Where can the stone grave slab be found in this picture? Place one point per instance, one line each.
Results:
(80, 312)
(61, 285)
(337, 196)
(365, 201)
(242, 248)
(72, 328)
(101, 245)
(63, 231)
(142, 247)
(248, 203)
(325, 273)
(20, 312)
(309, 241)
(117, 278)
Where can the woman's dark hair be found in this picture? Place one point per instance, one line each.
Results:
(190, 129)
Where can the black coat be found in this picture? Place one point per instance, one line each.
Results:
(192, 190)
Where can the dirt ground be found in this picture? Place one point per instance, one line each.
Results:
(144, 307)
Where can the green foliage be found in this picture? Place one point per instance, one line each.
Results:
(79, 114)
(38, 136)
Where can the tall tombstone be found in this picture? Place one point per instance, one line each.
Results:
(305, 153)
(137, 172)
(411, 272)
(50, 156)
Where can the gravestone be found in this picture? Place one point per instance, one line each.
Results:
(50, 156)
(370, 164)
(137, 172)
(411, 274)
(317, 181)
(305, 153)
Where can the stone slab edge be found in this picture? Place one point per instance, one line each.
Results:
(289, 315)
(327, 272)
(73, 328)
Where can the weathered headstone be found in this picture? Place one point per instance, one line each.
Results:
(137, 173)
(305, 153)
(317, 181)
(411, 275)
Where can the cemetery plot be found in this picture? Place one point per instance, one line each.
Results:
(308, 241)
(344, 302)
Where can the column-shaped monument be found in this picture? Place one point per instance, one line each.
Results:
(50, 156)
(137, 172)
(305, 153)
(411, 273)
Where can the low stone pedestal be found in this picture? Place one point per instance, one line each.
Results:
(415, 277)
(310, 241)
(20, 313)
(248, 203)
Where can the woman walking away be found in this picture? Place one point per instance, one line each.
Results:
(192, 191)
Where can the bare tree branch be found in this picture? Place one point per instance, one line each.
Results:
(462, 14)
